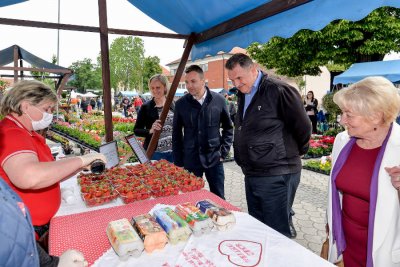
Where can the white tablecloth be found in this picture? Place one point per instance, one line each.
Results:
(248, 243)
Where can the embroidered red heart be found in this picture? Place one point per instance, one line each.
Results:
(241, 252)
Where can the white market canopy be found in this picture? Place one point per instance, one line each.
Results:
(88, 94)
(389, 69)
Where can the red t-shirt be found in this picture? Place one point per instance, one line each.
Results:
(138, 102)
(15, 139)
(354, 180)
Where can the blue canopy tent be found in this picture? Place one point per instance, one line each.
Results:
(128, 94)
(221, 91)
(389, 69)
(223, 25)
(180, 92)
(210, 26)
(205, 17)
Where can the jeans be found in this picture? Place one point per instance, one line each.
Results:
(215, 177)
(163, 155)
(270, 199)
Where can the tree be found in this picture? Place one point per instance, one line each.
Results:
(126, 63)
(50, 82)
(330, 106)
(86, 75)
(3, 85)
(337, 46)
(151, 66)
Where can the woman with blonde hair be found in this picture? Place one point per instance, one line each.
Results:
(363, 197)
(26, 162)
(148, 119)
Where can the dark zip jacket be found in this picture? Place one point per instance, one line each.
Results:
(196, 138)
(274, 132)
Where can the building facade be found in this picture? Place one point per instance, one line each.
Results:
(215, 74)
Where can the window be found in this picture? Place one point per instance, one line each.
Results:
(182, 85)
(204, 67)
(173, 71)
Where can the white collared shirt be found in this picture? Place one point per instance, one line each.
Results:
(201, 100)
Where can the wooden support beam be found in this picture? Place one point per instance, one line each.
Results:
(64, 71)
(264, 11)
(31, 76)
(16, 57)
(21, 64)
(105, 64)
(170, 97)
(71, 27)
(61, 84)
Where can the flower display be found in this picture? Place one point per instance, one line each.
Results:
(90, 129)
(322, 165)
(320, 145)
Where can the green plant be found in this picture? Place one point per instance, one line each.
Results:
(334, 131)
(330, 106)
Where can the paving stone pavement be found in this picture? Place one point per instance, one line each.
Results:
(309, 204)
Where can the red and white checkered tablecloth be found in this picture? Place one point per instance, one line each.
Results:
(86, 231)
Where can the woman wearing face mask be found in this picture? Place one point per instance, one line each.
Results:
(26, 162)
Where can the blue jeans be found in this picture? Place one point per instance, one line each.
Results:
(163, 155)
(215, 177)
(270, 199)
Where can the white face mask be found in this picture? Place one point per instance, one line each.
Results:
(46, 120)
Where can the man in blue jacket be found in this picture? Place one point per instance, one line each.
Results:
(198, 143)
(272, 130)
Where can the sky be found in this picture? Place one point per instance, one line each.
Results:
(76, 45)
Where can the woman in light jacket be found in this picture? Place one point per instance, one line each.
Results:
(363, 196)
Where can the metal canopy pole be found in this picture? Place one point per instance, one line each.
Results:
(170, 97)
(105, 69)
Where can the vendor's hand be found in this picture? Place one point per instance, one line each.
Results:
(156, 126)
(72, 258)
(89, 158)
(394, 173)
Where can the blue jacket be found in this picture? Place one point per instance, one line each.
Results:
(196, 138)
(18, 245)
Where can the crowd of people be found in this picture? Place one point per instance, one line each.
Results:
(269, 126)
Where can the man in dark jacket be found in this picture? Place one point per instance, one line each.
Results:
(272, 130)
(197, 142)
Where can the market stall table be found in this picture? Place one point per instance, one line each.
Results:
(86, 232)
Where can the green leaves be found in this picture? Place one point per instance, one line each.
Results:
(338, 45)
(129, 68)
(86, 75)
